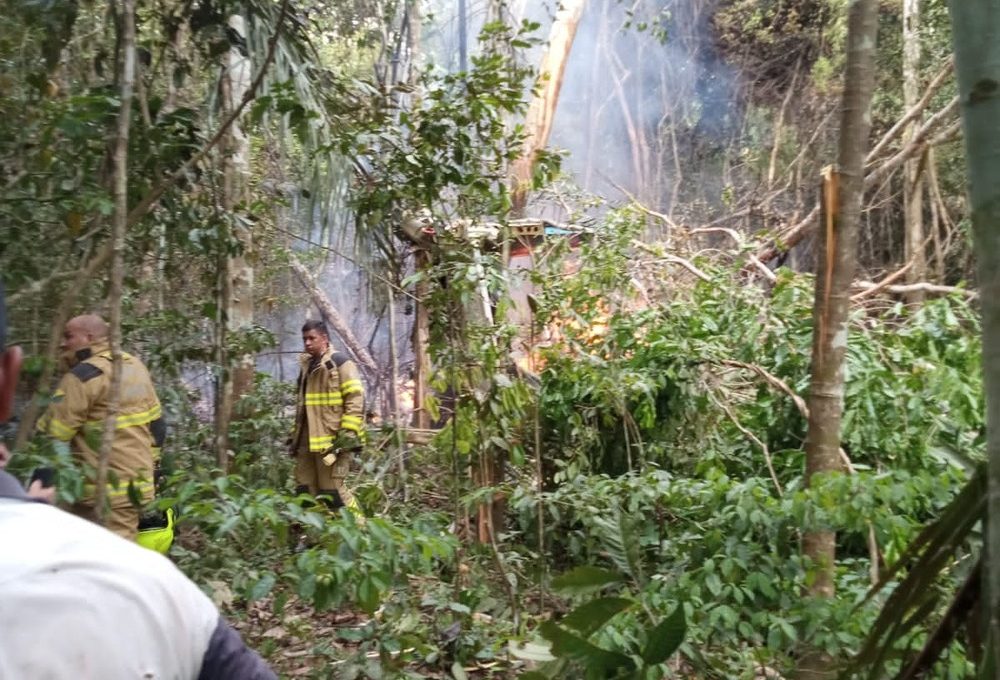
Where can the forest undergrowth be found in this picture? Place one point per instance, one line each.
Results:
(671, 494)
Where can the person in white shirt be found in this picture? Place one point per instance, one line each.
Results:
(78, 602)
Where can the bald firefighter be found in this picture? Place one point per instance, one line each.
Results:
(329, 424)
(76, 418)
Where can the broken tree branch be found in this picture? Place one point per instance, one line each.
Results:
(672, 259)
(774, 381)
(788, 238)
(735, 236)
(924, 287)
(756, 440)
(332, 316)
(897, 129)
(887, 281)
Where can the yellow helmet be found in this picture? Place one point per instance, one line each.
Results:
(156, 531)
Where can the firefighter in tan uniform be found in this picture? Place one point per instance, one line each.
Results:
(76, 418)
(329, 424)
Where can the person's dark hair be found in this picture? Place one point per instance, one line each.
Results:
(315, 325)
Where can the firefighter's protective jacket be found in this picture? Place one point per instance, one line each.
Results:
(80, 405)
(330, 400)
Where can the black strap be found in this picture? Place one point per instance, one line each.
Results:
(86, 371)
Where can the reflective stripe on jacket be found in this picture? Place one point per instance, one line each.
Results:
(80, 405)
(330, 399)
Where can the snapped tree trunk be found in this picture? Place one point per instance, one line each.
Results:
(976, 35)
(913, 204)
(118, 222)
(836, 259)
(542, 109)
(488, 472)
(237, 285)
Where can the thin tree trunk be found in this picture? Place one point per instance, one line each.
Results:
(542, 109)
(976, 34)
(913, 205)
(394, 392)
(938, 215)
(118, 223)
(235, 83)
(414, 33)
(421, 339)
(593, 105)
(142, 207)
(463, 36)
(836, 263)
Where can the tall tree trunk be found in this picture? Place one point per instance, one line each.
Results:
(414, 37)
(836, 263)
(237, 176)
(236, 373)
(118, 223)
(913, 204)
(463, 36)
(976, 34)
(542, 109)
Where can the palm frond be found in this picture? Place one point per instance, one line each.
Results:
(930, 556)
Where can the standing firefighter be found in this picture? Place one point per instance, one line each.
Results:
(329, 422)
(76, 418)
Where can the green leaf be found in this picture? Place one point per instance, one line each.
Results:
(368, 594)
(588, 618)
(531, 651)
(585, 579)
(664, 640)
(575, 648)
(262, 587)
(458, 672)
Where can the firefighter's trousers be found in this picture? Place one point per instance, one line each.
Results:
(122, 518)
(314, 476)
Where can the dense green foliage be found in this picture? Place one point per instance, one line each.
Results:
(652, 443)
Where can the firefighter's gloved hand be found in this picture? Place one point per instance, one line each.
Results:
(329, 456)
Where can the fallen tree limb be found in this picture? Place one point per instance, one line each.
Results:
(673, 259)
(884, 283)
(772, 380)
(332, 316)
(756, 440)
(891, 278)
(735, 235)
(780, 384)
(790, 237)
(897, 129)
(923, 287)
(663, 256)
(913, 147)
(787, 239)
